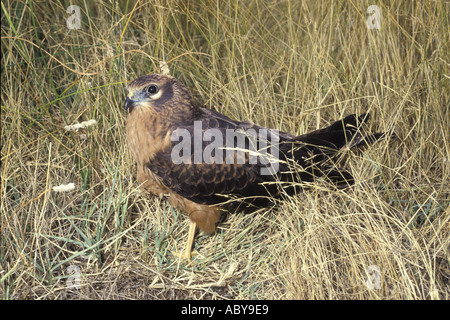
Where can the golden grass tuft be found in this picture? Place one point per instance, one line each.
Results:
(288, 65)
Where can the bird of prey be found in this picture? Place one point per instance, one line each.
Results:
(205, 162)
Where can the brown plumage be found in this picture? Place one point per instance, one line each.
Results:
(159, 106)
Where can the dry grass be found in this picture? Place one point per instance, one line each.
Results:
(282, 64)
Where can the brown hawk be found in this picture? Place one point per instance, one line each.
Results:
(205, 162)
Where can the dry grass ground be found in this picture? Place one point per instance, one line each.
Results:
(289, 65)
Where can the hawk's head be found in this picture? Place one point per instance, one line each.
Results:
(158, 92)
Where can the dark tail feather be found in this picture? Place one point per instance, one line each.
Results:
(345, 132)
(325, 143)
(340, 177)
(338, 134)
(361, 141)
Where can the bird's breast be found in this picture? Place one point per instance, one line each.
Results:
(146, 135)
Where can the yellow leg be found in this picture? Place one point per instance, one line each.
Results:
(187, 253)
(190, 241)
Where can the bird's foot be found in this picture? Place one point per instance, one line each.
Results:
(185, 256)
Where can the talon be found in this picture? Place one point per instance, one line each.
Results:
(185, 255)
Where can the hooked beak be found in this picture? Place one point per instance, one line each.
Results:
(129, 104)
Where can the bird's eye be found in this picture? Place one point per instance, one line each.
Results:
(152, 89)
